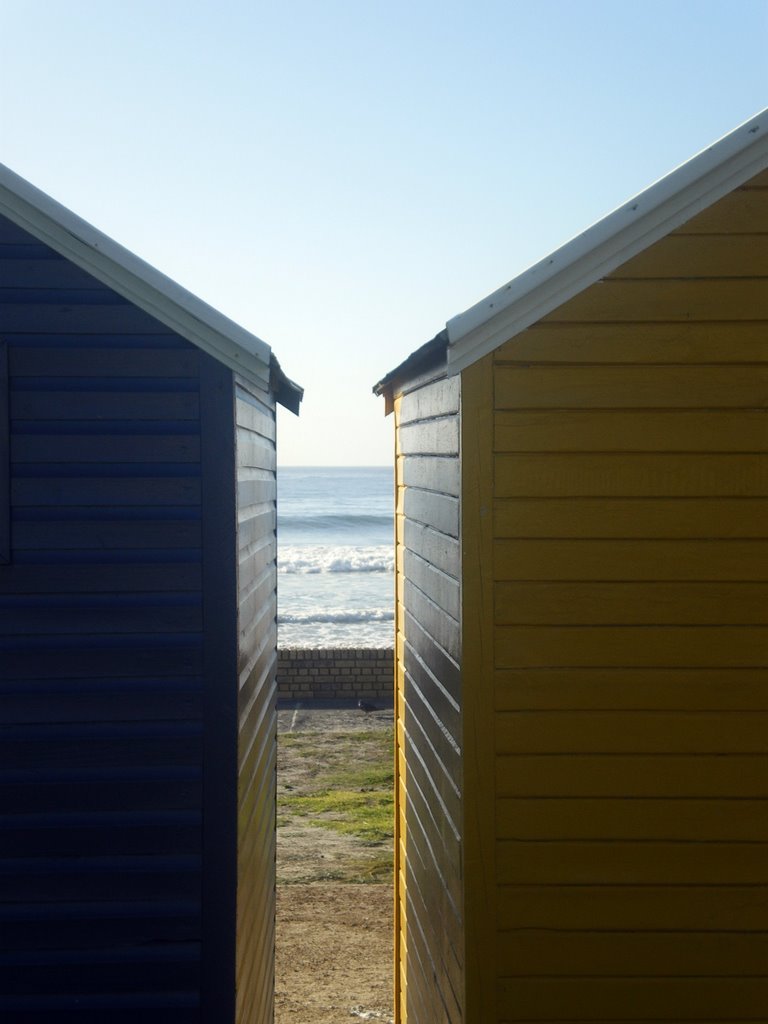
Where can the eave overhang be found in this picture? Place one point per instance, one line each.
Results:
(427, 362)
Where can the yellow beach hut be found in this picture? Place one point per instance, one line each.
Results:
(582, 558)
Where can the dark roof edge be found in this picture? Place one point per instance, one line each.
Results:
(430, 357)
(286, 392)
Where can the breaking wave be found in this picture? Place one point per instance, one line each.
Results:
(337, 615)
(312, 560)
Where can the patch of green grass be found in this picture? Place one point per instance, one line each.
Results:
(365, 813)
(351, 790)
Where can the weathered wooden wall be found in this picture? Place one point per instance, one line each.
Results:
(257, 701)
(429, 901)
(101, 639)
(630, 560)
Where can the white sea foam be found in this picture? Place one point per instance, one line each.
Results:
(310, 560)
(337, 615)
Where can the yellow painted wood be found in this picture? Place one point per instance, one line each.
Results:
(631, 559)
(744, 211)
(618, 301)
(622, 430)
(632, 517)
(633, 999)
(698, 908)
(638, 775)
(478, 832)
(654, 953)
(684, 820)
(759, 181)
(637, 342)
(631, 732)
(586, 474)
(697, 256)
(640, 387)
(663, 646)
(596, 603)
(632, 689)
(627, 863)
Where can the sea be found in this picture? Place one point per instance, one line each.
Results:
(335, 556)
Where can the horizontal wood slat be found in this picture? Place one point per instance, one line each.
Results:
(719, 773)
(632, 732)
(438, 511)
(630, 560)
(744, 211)
(159, 576)
(435, 437)
(632, 688)
(682, 646)
(432, 473)
(106, 448)
(443, 629)
(632, 999)
(112, 491)
(437, 548)
(51, 534)
(697, 954)
(75, 318)
(438, 399)
(629, 474)
(443, 589)
(681, 820)
(104, 405)
(622, 430)
(662, 518)
(628, 863)
(595, 603)
(696, 256)
(637, 342)
(69, 361)
(618, 300)
(622, 387)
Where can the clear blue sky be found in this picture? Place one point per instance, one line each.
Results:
(341, 176)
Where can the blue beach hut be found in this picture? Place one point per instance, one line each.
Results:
(137, 636)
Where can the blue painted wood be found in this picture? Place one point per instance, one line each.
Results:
(257, 699)
(5, 505)
(120, 663)
(102, 648)
(219, 516)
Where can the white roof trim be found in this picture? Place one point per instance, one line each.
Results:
(630, 229)
(131, 277)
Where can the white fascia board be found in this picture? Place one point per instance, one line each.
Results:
(625, 233)
(131, 277)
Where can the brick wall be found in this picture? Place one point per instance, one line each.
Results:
(337, 674)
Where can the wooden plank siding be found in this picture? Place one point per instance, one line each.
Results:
(137, 662)
(630, 638)
(257, 703)
(101, 654)
(429, 842)
(5, 484)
